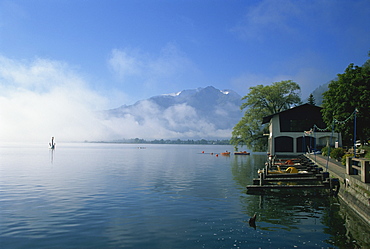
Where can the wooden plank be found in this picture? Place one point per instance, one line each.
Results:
(256, 187)
(287, 175)
(291, 179)
(356, 167)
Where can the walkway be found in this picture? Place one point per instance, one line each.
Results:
(333, 166)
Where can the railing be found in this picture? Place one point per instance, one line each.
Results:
(359, 152)
(362, 165)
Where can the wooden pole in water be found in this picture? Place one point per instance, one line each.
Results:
(261, 178)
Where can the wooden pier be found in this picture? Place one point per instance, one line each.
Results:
(275, 178)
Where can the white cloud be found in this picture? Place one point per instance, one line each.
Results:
(180, 117)
(149, 71)
(44, 98)
(308, 78)
(149, 121)
(170, 62)
(243, 82)
(268, 16)
(297, 19)
(126, 63)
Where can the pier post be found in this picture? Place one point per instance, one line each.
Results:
(262, 176)
(349, 169)
(365, 171)
(324, 176)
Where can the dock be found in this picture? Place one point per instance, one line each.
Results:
(307, 176)
(268, 187)
(322, 176)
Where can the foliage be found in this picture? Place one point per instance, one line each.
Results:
(344, 158)
(349, 92)
(367, 155)
(324, 151)
(262, 101)
(311, 100)
(367, 149)
(337, 153)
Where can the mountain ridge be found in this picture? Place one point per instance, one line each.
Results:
(193, 113)
(201, 113)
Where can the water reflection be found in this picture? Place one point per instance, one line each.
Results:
(244, 168)
(287, 212)
(51, 155)
(294, 212)
(351, 230)
(110, 196)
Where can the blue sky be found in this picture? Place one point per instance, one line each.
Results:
(103, 54)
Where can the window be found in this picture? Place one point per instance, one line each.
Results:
(283, 144)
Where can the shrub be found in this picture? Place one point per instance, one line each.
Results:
(337, 153)
(344, 158)
(324, 151)
(367, 155)
(367, 149)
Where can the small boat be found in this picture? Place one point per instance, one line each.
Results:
(287, 162)
(242, 153)
(52, 144)
(225, 153)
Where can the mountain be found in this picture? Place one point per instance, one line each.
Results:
(191, 114)
(317, 93)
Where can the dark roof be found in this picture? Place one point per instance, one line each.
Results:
(304, 106)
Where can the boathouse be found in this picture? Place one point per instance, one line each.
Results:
(293, 132)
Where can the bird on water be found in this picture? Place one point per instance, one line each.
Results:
(252, 221)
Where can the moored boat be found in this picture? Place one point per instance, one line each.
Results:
(289, 170)
(241, 153)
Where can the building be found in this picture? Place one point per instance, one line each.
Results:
(298, 130)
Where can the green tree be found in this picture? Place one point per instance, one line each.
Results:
(349, 92)
(311, 100)
(260, 102)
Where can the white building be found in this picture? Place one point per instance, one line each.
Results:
(289, 131)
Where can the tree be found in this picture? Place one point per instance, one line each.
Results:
(311, 100)
(263, 101)
(349, 92)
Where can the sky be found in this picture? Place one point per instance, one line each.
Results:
(61, 61)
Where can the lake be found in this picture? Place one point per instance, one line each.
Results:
(86, 195)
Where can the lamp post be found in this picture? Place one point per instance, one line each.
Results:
(331, 137)
(354, 132)
(314, 133)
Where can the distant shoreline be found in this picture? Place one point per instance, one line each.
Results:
(162, 141)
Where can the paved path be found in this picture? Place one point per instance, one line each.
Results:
(333, 165)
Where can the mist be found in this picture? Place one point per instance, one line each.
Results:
(151, 122)
(44, 98)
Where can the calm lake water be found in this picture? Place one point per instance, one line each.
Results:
(84, 195)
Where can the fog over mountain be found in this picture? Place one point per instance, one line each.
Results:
(318, 93)
(190, 114)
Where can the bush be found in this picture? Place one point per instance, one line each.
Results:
(337, 153)
(367, 155)
(324, 151)
(344, 158)
(367, 149)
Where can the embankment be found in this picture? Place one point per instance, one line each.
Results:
(353, 192)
